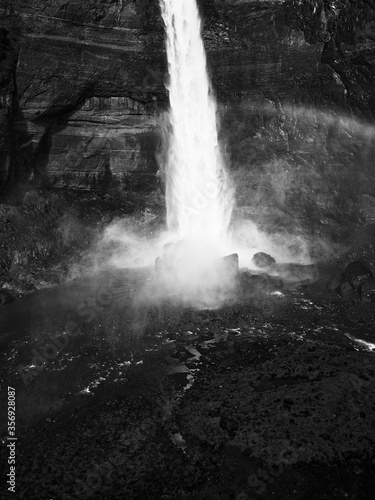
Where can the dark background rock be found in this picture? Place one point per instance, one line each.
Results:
(230, 264)
(80, 83)
(356, 273)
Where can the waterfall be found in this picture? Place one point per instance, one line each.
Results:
(199, 199)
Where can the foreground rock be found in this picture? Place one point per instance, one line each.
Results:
(354, 283)
(230, 264)
(254, 284)
(263, 260)
(356, 273)
(273, 405)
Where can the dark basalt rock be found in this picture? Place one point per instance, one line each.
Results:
(253, 284)
(81, 83)
(263, 260)
(368, 290)
(296, 271)
(356, 273)
(258, 283)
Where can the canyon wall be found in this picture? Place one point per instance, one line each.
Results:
(81, 85)
(82, 92)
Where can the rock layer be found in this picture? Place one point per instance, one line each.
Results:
(86, 79)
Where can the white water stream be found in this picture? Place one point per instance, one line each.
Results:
(198, 195)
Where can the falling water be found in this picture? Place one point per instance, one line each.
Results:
(198, 196)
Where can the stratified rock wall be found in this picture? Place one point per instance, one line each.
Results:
(81, 83)
(297, 82)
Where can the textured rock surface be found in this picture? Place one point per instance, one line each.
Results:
(299, 132)
(81, 81)
(263, 260)
(356, 273)
(210, 404)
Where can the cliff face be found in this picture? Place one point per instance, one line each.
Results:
(318, 52)
(297, 80)
(82, 87)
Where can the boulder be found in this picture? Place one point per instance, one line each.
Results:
(356, 273)
(263, 260)
(231, 263)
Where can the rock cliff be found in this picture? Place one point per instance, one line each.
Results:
(82, 90)
(81, 83)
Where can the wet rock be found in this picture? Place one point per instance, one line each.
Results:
(274, 283)
(368, 290)
(291, 271)
(5, 297)
(158, 265)
(167, 260)
(231, 263)
(356, 273)
(252, 284)
(245, 277)
(263, 260)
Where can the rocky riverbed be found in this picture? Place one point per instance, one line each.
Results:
(268, 396)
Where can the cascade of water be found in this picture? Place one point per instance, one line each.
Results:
(198, 195)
